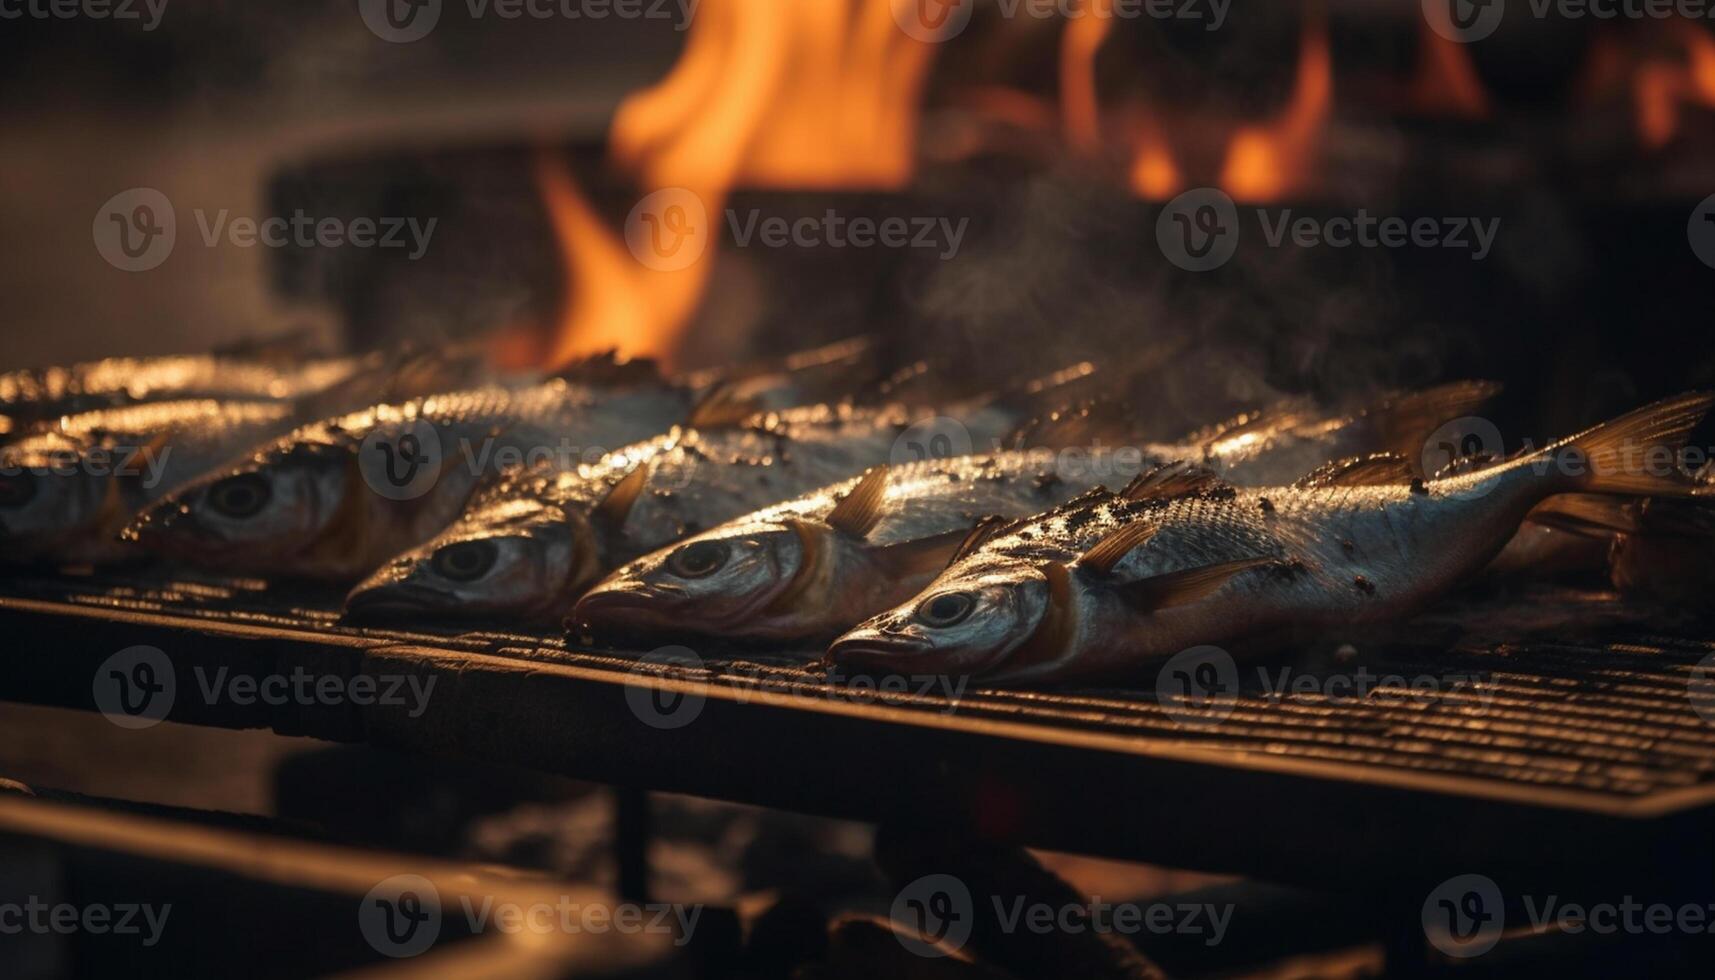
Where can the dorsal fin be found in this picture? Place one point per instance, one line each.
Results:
(1381, 469)
(1401, 422)
(1105, 554)
(723, 406)
(984, 531)
(1186, 585)
(608, 368)
(1286, 414)
(860, 510)
(616, 506)
(1467, 464)
(1179, 478)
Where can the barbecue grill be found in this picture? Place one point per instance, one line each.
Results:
(1539, 723)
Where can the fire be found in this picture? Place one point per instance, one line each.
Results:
(1265, 162)
(1446, 82)
(1661, 88)
(805, 94)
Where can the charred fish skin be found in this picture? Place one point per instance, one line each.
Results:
(308, 505)
(795, 572)
(636, 501)
(67, 490)
(1107, 591)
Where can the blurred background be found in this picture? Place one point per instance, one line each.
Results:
(1054, 136)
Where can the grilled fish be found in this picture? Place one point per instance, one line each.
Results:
(532, 546)
(67, 490)
(817, 565)
(1109, 587)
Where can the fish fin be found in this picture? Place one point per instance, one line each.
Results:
(1401, 423)
(860, 510)
(1281, 416)
(921, 557)
(609, 369)
(981, 533)
(1467, 464)
(616, 506)
(1030, 397)
(724, 406)
(1611, 451)
(1380, 469)
(1186, 585)
(1179, 478)
(1106, 554)
(1590, 515)
(1089, 422)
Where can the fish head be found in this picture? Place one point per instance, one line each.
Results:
(967, 623)
(257, 514)
(760, 579)
(52, 496)
(513, 558)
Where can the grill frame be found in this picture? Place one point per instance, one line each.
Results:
(1043, 769)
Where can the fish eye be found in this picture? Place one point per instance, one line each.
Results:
(240, 496)
(946, 609)
(17, 489)
(466, 561)
(700, 559)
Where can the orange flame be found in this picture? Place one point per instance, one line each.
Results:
(1265, 162)
(801, 94)
(1446, 82)
(1660, 89)
(1154, 174)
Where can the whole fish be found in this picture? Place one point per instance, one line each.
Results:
(50, 393)
(814, 566)
(533, 544)
(67, 490)
(1112, 587)
(334, 499)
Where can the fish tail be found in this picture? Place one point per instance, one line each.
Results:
(1637, 454)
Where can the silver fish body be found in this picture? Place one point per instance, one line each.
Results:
(334, 499)
(531, 546)
(49, 393)
(1108, 588)
(787, 574)
(67, 490)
